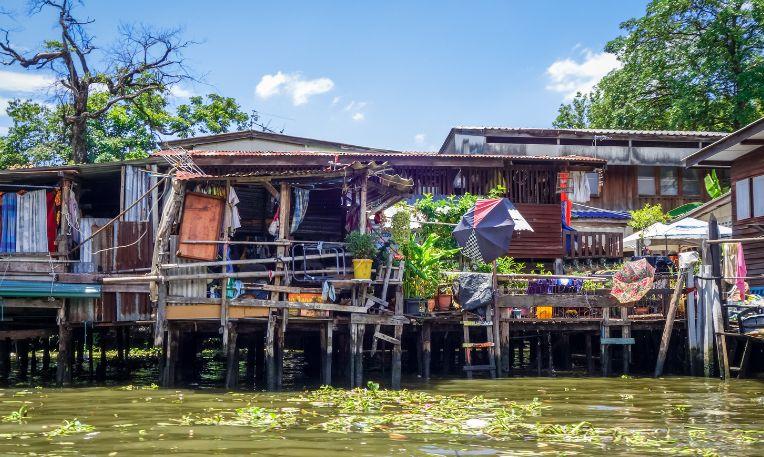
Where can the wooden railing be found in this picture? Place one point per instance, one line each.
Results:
(591, 245)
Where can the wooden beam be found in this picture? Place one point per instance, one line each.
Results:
(297, 305)
(559, 301)
(31, 303)
(389, 339)
(25, 334)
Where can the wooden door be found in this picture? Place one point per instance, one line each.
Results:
(201, 220)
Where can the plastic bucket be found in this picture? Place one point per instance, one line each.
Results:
(362, 268)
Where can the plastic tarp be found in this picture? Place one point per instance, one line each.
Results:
(474, 291)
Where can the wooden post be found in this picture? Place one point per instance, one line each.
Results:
(496, 318)
(22, 357)
(251, 361)
(426, 349)
(62, 239)
(5, 361)
(669, 326)
(224, 327)
(259, 358)
(232, 359)
(692, 338)
(625, 333)
(103, 341)
(589, 357)
(45, 357)
(538, 354)
(550, 353)
(126, 349)
(396, 368)
(360, 330)
(33, 358)
(270, 362)
(326, 353)
(507, 354)
(353, 328)
(171, 356)
(158, 292)
(363, 205)
(605, 348)
(64, 367)
(279, 352)
(718, 324)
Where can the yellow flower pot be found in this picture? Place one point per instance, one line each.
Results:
(362, 268)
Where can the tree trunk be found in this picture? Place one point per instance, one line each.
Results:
(78, 143)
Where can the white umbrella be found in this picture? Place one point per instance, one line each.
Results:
(687, 232)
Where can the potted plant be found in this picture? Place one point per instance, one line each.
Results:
(423, 272)
(444, 298)
(363, 249)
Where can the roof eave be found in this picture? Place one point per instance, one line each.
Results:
(722, 144)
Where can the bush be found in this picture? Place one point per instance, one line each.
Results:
(361, 245)
(647, 216)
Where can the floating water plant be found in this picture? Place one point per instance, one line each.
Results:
(19, 416)
(70, 427)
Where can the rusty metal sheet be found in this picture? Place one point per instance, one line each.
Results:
(106, 308)
(201, 220)
(132, 306)
(134, 245)
(81, 310)
(102, 254)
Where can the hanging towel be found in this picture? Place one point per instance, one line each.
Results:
(729, 262)
(581, 192)
(231, 217)
(8, 242)
(742, 271)
(301, 198)
(31, 222)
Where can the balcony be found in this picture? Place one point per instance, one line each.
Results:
(592, 245)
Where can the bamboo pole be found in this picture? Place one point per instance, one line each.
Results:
(189, 277)
(669, 326)
(172, 266)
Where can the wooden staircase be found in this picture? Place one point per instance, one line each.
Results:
(488, 345)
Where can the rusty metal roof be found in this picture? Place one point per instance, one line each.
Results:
(379, 154)
(620, 132)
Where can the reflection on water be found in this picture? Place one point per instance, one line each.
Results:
(684, 416)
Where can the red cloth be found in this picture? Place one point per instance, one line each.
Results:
(568, 207)
(50, 201)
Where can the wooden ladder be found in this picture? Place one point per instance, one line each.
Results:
(606, 341)
(487, 345)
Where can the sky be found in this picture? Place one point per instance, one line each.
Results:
(392, 74)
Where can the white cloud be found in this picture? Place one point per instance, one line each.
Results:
(336, 100)
(294, 85)
(180, 92)
(420, 138)
(355, 106)
(569, 76)
(358, 117)
(24, 82)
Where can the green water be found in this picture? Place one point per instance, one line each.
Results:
(680, 416)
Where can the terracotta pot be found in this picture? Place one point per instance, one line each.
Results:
(641, 310)
(430, 305)
(444, 302)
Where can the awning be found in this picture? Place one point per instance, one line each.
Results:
(43, 289)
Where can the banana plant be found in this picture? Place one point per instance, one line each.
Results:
(424, 266)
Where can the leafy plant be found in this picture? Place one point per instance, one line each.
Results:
(647, 216)
(714, 185)
(401, 225)
(18, 416)
(70, 427)
(424, 266)
(361, 245)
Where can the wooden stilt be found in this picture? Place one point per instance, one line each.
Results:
(352, 348)
(589, 356)
(743, 370)
(5, 358)
(90, 355)
(506, 347)
(45, 357)
(270, 360)
(126, 349)
(33, 358)
(279, 352)
(64, 366)
(448, 354)
(396, 362)
(360, 329)
(626, 333)
(251, 360)
(538, 354)
(326, 353)
(567, 363)
(22, 357)
(550, 353)
(259, 358)
(232, 359)
(669, 326)
(120, 349)
(426, 350)
(605, 348)
(171, 356)
(103, 340)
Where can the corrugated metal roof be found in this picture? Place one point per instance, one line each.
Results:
(589, 212)
(533, 130)
(402, 154)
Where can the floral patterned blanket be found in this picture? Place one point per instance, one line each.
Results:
(633, 281)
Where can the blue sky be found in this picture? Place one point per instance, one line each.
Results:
(392, 74)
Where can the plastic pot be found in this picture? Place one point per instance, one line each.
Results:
(362, 268)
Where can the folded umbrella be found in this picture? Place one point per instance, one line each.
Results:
(484, 232)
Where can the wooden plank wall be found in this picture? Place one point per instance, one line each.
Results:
(748, 166)
(545, 242)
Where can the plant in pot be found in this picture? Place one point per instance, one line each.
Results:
(444, 297)
(363, 249)
(423, 271)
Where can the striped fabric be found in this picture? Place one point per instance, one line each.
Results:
(8, 238)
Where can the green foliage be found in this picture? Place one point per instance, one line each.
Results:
(70, 427)
(38, 136)
(647, 216)
(18, 417)
(714, 186)
(424, 266)
(686, 65)
(401, 225)
(361, 245)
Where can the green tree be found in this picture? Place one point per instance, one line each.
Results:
(647, 216)
(686, 64)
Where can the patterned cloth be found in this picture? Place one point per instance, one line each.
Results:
(301, 198)
(471, 249)
(633, 281)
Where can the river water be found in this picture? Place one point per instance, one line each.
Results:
(570, 416)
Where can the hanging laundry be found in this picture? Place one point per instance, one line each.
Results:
(8, 240)
(729, 262)
(580, 189)
(231, 217)
(274, 226)
(742, 271)
(73, 216)
(50, 213)
(301, 199)
(31, 222)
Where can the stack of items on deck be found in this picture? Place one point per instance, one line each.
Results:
(30, 220)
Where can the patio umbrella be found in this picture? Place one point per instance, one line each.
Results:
(687, 232)
(484, 232)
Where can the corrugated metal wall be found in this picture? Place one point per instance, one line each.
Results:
(87, 226)
(188, 289)
(136, 182)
